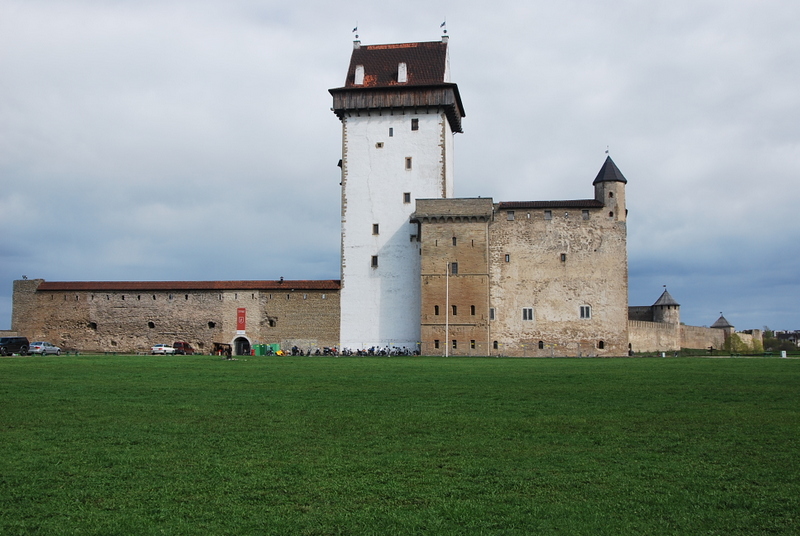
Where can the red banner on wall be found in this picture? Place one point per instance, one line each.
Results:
(241, 318)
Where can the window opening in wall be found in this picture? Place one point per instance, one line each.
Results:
(527, 313)
(107, 297)
(586, 311)
(454, 268)
(415, 124)
(406, 197)
(359, 76)
(495, 345)
(541, 345)
(473, 243)
(436, 310)
(324, 296)
(408, 162)
(139, 297)
(455, 241)
(491, 313)
(305, 296)
(252, 296)
(212, 325)
(170, 296)
(154, 296)
(472, 310)
(123, 297)
(508, 257)
(585, 214)
(375, 228)
(472, 344)
(601, 345)
(528, 215)
(391, 132)
(436, 343)
(93, 325)
(455, 310)
(510, 215)
(151, 325)
(610, 194)
(288, 296)
(374, 261)
(379, 145)
(563, 257)
(611, 214)
(455, 344)
(548, 214)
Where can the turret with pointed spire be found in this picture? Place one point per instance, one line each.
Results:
(666, 309)
(609, 189)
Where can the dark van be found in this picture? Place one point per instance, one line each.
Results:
(14, 345)
(183, 348)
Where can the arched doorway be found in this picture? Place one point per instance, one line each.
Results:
(241, 346)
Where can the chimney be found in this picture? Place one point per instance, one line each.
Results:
(356, 44)
(445, 38)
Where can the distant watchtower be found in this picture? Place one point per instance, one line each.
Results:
(399, 112)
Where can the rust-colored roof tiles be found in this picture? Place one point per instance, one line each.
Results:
(426, 64)
(190, 285)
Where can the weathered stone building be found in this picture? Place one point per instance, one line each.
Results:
(419, 268)
(132, 316)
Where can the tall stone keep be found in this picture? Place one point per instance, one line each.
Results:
(399, 112)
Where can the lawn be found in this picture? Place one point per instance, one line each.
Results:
(311, 445)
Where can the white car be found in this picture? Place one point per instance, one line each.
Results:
(44, 348)
(162, 349)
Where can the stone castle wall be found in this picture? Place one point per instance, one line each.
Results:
(134, 320)
(654, 336)
(698, 337)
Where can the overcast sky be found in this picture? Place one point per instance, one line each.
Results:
(193, 140)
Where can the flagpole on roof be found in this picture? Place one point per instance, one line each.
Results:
(444, 25)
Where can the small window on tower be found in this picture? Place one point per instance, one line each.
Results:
(379, 145)
(586, 311)
(406, 197)
(408, 163)
(415, 124)
(510, 215)
(436, 310)
(391, 132)
(585, 214)
(374, 261)
(375, 228)
(454, 240)
(563, 257)
(548, 214)
(454, 268)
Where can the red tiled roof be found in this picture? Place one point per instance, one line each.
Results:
(190, 285)
(425, 64)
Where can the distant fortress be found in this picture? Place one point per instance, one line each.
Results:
(421, 271)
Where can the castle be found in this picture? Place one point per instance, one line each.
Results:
(420, 270)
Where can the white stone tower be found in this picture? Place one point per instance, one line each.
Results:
(399, 112)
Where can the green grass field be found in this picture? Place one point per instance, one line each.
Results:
(268, 445)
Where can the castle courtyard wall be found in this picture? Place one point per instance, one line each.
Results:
(110, 317)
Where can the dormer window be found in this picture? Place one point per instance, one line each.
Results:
(402, 73)
(359, 80)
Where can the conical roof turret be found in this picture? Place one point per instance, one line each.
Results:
(721, 323)
(666, 299)
(610, 173)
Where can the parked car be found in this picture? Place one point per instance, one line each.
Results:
(44, 348)
(14, 345)
(162, 349)
(183, 348)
